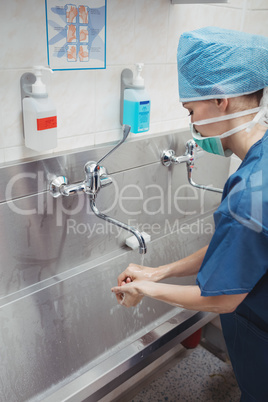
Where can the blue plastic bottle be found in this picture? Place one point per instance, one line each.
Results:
(137, 105)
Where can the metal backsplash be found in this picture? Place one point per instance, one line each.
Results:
(42, 236)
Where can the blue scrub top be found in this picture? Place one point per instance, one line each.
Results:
(237, 262)
(237, 257)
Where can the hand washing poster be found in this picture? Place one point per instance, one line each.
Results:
(76, 34)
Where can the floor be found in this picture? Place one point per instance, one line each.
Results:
(197, 375)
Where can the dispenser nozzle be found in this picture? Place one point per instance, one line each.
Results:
(39, 87)
(138, 81)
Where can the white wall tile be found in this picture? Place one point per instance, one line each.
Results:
(11, 107)
(108, 136)
(171, 125)
(22, 25)
(187, 17)
(107, 98)
(234, 3)
(120, 32)
(76, 142)
(151, 31)
(88, 101)
(155, 82)
(73, 93)
(256, 22)
(258, 4)
(172, 107)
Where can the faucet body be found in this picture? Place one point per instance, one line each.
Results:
(96, 177)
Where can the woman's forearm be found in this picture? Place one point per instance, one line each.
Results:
(185, 267)
(188, 297)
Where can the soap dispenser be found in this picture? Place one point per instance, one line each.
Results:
(39, 112)
(135, 101)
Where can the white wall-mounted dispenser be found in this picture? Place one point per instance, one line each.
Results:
(135, 103)
(39, 112)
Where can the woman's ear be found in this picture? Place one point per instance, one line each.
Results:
(222, 104)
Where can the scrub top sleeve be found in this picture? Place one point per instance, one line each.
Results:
(236, 259)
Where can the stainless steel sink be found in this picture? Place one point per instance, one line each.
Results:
(63, 336)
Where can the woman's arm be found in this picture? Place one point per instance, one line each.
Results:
(188, 297)
(184, 267)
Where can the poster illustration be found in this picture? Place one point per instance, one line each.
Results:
(76, 34)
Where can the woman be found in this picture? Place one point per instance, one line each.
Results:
(223, 80)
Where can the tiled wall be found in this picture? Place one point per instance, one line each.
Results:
(88, 101)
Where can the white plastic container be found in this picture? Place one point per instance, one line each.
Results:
(40, 124)
(137, 104)
(39, 118)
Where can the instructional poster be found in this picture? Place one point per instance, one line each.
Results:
(76, 34)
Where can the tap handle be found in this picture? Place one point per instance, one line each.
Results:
(126, 131)
(105, 180)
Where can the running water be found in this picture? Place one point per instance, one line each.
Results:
(142, 259)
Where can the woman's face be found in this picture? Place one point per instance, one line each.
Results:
(207, 109)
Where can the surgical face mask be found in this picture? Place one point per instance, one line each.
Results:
(213, 144)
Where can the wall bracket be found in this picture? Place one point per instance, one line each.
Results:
(126, 82)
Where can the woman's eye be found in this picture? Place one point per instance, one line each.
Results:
(191, 113)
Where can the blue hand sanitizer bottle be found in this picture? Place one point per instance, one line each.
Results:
(137, 104)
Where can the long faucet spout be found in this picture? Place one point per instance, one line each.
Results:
(201, 186)
(135, 232)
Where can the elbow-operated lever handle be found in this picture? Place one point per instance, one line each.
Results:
(126, 131)
(96, 175)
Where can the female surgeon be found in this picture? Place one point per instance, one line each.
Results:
(223, 82)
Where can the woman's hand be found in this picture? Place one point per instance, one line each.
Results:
(137, 273)
(128, 294)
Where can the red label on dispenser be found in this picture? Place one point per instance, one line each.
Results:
(46, 123)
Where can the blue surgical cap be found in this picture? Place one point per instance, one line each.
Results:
(221, 63)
